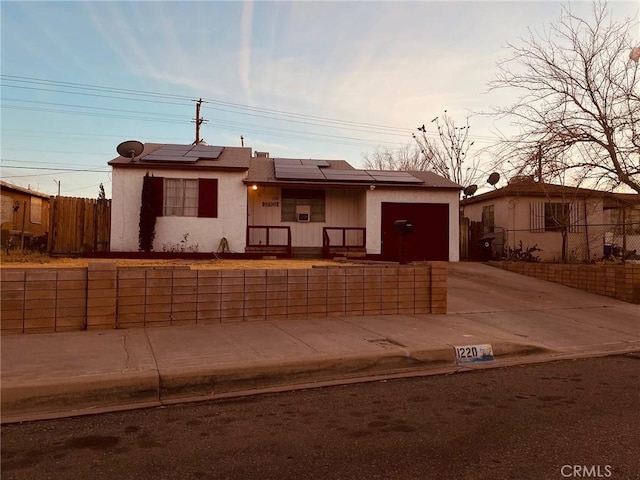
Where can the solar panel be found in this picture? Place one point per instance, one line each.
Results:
(347, 175)
(317, 163)
(393, 177)
(170, 153)
(205, 151)
(184, 153)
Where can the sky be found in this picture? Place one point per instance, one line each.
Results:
(330, 80)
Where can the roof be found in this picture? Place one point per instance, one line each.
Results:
(536, 189)
(263, 172)
(181, 157)
(10, 186)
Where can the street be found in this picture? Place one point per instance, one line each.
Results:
(568, 419)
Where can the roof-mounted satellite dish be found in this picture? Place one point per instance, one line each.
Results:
(493, 178)
(470, 190)
(130, 148)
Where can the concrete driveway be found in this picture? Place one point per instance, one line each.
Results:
(542, 312)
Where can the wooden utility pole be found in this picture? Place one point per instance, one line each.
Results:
(198, 121)
(539, 164)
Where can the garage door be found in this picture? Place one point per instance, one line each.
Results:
(429, 240)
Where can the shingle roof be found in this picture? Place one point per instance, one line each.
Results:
(229, 158)
(537, 189)
(10, 186)
(262, 172)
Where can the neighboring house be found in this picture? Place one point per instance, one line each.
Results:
(587, 224)
(223, 199)
(24, 215)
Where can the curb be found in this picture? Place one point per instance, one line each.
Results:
(80, 393)
(124, 391)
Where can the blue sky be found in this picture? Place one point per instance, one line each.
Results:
(297, 79)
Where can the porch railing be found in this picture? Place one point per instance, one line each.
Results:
(343, 240)
(269, 239)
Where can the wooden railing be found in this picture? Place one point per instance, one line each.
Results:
(343, 240)
(269, 239)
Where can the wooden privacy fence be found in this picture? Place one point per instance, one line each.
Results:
(78, 225)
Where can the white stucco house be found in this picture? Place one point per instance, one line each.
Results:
(226, 200)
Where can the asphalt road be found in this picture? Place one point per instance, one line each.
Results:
(569, 419)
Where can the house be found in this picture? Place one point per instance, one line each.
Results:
(559, 222)
(224, 199)
(24, 216)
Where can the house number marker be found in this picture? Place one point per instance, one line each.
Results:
(473, 354)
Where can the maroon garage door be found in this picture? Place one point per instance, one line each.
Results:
(429, 239)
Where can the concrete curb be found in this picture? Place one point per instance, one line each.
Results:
(122, 391)
(85, 392)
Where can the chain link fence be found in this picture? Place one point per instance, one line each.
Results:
(580, 244)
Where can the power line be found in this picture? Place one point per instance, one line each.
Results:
(234, 108)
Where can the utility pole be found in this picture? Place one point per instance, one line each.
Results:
(198, 121)
(539, 164)
(58, 182)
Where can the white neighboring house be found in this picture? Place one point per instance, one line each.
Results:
(283, 206)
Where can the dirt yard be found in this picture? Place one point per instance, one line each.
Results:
(17, 259)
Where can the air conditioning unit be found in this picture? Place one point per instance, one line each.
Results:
(303, 213)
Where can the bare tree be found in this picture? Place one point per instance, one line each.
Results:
(447, 154)
(579, 106)
(444, 153)
(405, 158)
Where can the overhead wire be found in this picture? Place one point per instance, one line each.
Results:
(282, 115)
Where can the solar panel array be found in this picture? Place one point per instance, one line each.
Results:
(318, 170)
(184, 153)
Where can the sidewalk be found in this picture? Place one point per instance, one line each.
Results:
(48, 375)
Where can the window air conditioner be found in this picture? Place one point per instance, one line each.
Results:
(303, 213)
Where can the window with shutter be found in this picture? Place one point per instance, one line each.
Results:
(187, 197)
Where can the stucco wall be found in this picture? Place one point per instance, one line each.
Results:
(206, 233)
(512, 216)
(376, 197)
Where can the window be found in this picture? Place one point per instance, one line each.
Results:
(35, 212)
(488, 219)
(556, 216)
(186, 197)
(180, 197)
(292, 198)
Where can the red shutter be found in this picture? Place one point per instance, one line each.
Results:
(158, 195)
(208, 197)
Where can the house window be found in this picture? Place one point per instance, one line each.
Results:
(35, 212)
(187, 197)
(293, 197)
(180, 197)
(488, 219)
(556, 216)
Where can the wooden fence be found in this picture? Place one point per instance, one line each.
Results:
(78, 225)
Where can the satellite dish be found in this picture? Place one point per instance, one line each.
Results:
(470, 190)
(493, 178)
(130, 149)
